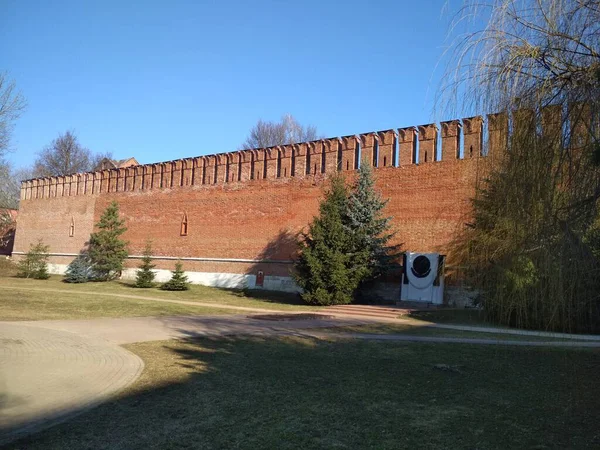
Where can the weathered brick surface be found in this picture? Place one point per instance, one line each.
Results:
(247, 206)
(255, 220)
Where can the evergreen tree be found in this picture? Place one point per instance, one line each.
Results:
(369, 227)
(79, 270)
(107, 251)
(330, 267)
(144, 277)
(35, 262)
(178, 281)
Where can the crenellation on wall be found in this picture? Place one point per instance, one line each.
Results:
(233, 167)
(60, 186)
(428, 137)
(300, 165)
(186, 178)
(245, 165)
(81, 184)
(271, 162)
(331, 155)
(348, 153)
(66, 186)
(258, 167)
(367, 141)
(197, 170)
(176, 173)
(286, 153)
(497, 134)
(451, 131)
(407, 145)
(209, 170)
(473, 137)
(102, 183)
(220, 168)
(147, 177)
(119, 181)
(388, 148)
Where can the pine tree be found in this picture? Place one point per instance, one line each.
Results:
(144, 277)
(330, 268)
(369, 227)
(107, 251)
(35, 262)
(178, 281)
(79, 270)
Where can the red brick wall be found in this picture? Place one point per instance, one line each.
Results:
(248, 220)
(254, 219)
(50, 219)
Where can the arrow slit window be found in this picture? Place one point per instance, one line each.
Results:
(184, 225)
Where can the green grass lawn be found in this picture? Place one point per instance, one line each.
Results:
(35, 305)
(29, 299)
(297, 393)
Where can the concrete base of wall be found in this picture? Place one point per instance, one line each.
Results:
(221, 280)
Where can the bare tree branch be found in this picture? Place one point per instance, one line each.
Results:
(65, 156)
(12, 104)
(287, 131)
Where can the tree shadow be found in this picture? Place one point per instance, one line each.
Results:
(271, 275)
(301, 392)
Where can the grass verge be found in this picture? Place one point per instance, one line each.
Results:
(290, 393)
(60, 300)
(418, 329)
(33, 305)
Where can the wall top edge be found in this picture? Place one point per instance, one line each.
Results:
(357, 137)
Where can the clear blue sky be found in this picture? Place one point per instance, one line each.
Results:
(161, 80)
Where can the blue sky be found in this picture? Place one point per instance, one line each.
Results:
(162, 80)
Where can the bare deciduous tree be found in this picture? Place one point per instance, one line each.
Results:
(65, 156)
(12, 104)
(287, 131)
(10, 185)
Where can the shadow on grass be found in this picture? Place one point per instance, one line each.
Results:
(284, 298)
(293, 392)
(474, 317)
(131, 284)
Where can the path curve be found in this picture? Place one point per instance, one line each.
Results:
(47, 376)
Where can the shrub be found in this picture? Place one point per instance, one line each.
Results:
(178, 281)
(330, 268)
(144, 277)
(35, 262)
(107, 250)
(370, 228)
(79, 271)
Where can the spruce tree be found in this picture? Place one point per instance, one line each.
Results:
(35, 262)
(79, 270)
(144, 277)
(369, 227)
(330, 267)
(178, 281)
(107, 250)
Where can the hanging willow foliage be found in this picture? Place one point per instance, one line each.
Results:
(531, 249)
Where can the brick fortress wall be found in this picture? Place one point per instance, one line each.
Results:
(241, 209)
